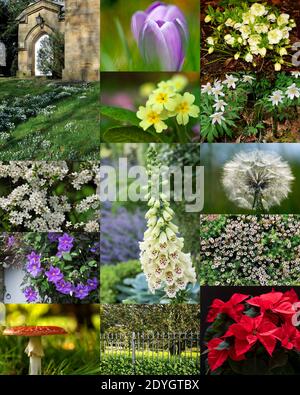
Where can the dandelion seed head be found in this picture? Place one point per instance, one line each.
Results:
(251, 173)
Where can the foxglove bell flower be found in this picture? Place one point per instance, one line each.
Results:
(164, 263)
(161, 33)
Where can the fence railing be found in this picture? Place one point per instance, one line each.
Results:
(170, 346)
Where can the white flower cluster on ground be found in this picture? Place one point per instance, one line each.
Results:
(163, 261)
(33, 202)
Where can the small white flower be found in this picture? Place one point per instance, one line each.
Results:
(217, 117)
(275, 36)
(295, 74)
(230, 81)
(293, 92)
(248, 78)
(276, 97)
(207, 88)
(249, 57)
(217, 89)
(220, 105)
(210, 41)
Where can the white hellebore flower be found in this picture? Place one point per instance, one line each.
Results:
(217, 117)
(258, 10)
(293, 92)
(230, 81)
(220, 105)
(276, 97)
(249, 57)
(275, 36)
(210, 41)
(283, 19)
(257, 180)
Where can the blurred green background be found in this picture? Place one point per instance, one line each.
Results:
(214, 156)
(119, 51)
(74, 353)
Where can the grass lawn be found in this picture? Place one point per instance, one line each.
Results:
(68, 128)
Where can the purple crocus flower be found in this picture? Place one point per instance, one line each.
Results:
(54, 275)
(92, 284)
(81, 291)
(64, 287)
(34, 264)
(30, 294)
(161, 33)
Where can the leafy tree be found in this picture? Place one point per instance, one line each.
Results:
(150, 318)
(51, 55)
(9, 10)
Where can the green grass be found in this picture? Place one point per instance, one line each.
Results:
(154, 354)
(71, 131)
(73, 354)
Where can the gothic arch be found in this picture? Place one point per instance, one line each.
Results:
(30, 41)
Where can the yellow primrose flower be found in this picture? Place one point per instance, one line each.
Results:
(186, 108)
(150, 117)
(146, 89)
(179, 82)
(161, 100)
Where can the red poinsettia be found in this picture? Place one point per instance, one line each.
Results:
(233, 307)
(275, 302)
(289, 336)
(218, 355)
(251, 330)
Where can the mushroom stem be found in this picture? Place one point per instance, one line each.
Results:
(34, 350)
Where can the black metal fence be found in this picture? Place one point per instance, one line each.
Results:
(141, 345)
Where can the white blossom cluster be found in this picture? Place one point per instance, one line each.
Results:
(32, 202)
(162, 259)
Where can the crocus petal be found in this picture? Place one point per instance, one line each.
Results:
(153, 46)
(137, 21)
(153, 6)
(174, 42)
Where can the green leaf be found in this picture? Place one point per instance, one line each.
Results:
(120, 114)
(128, 135)
(67, 256)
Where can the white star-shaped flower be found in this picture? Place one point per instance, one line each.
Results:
(248, 78)
(207, 88)
(276, 97)
(220, 105)
(295, 74)
(293, 92)
(230, 81)
(217, 117)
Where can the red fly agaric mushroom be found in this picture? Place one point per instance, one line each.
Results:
(34, 348)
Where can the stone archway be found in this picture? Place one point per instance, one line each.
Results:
(30, 32)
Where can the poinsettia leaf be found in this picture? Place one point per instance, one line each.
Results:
(252, 312)
(278, 360)
(223, 346)
(120, 114)
(129, 134)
